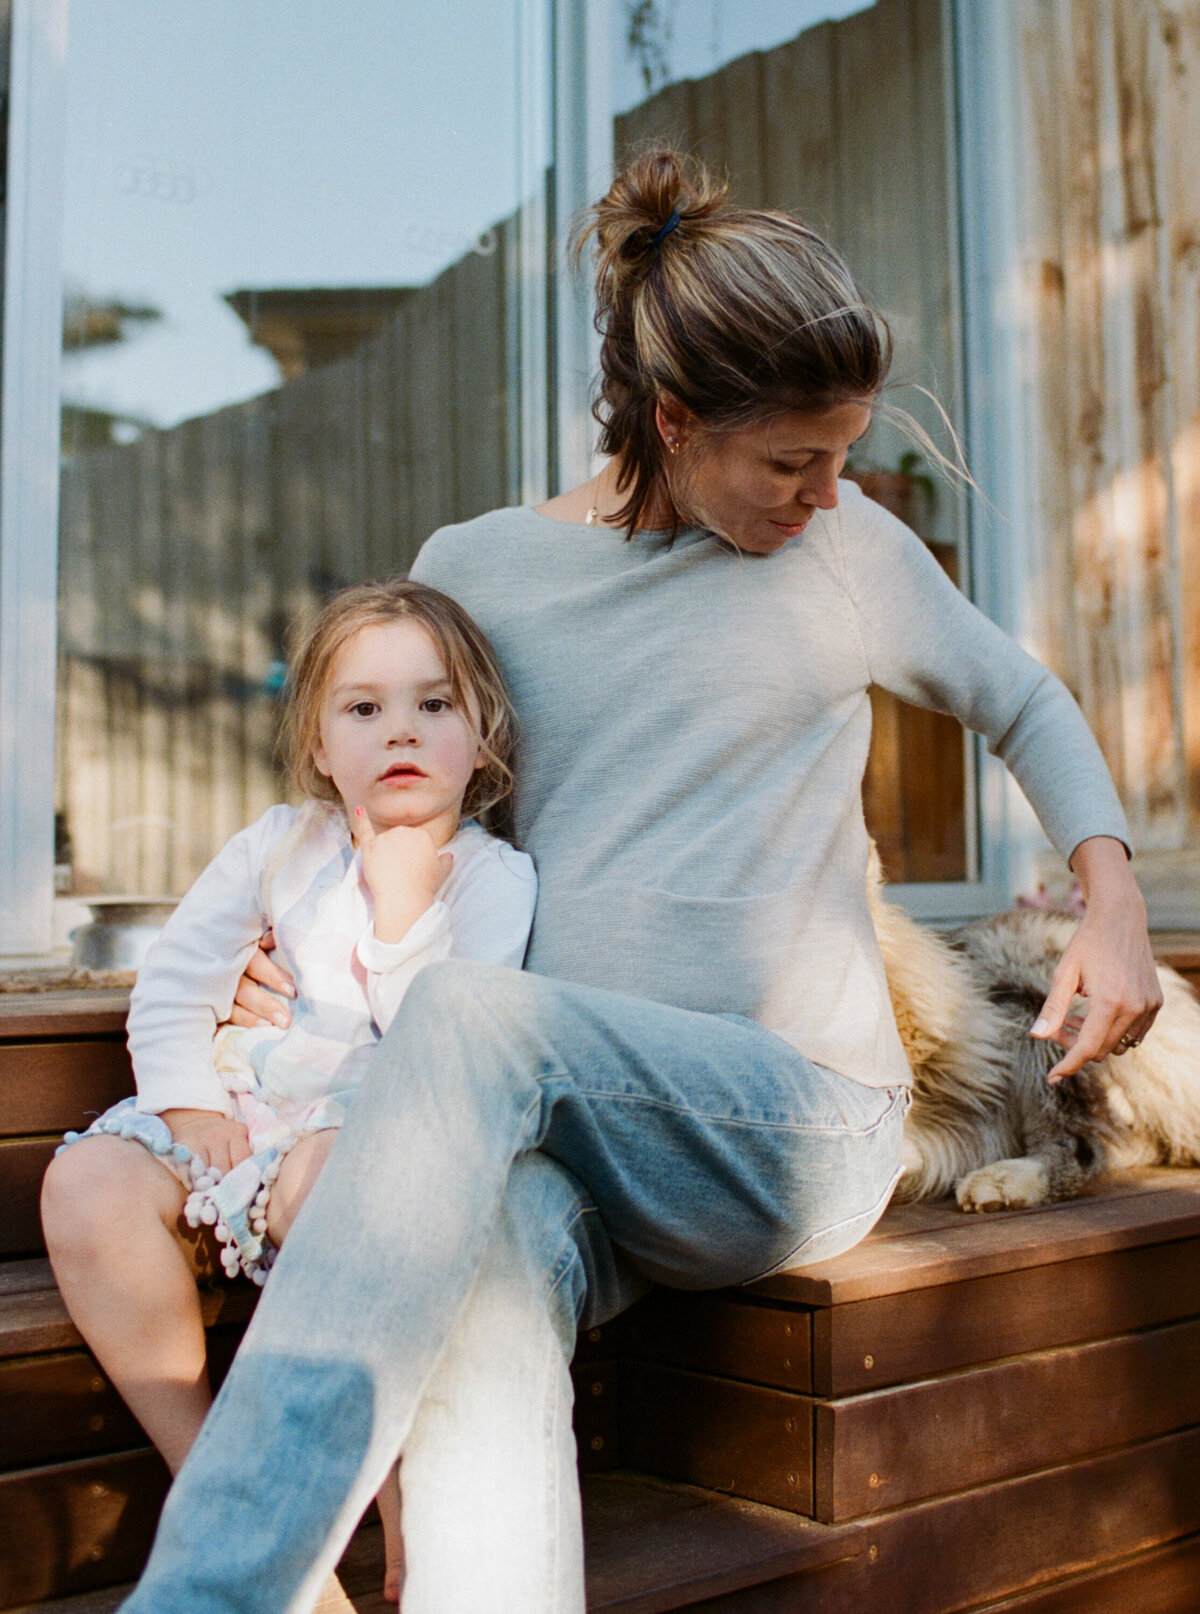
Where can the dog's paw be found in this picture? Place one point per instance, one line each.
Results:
(1004, 1185)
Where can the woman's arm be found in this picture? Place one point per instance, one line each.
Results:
(927, 643)
(1108, 962)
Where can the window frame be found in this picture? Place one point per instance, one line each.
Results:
(29, 471)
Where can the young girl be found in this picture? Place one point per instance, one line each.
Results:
(399, 730)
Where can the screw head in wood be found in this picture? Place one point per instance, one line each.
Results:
(868, 1361)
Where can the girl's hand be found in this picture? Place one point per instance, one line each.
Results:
(215, 1138)
(254, 1006)
(1108, 961)
(404, 870)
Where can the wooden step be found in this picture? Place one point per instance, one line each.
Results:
(80, 1489)
(1046, 1334)
(654, 1548)
(964, 1414)
(63, 1059)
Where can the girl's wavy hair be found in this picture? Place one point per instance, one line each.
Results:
(471, 671)
(739, 314)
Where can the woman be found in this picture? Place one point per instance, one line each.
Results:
(697, 1080)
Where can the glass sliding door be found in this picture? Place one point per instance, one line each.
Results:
(303, 287)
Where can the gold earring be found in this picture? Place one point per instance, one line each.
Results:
(672, 445)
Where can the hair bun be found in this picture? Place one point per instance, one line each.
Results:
(627, 223)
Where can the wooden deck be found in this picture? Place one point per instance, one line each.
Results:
(962, 1414)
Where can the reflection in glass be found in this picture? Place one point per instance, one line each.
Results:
(841, 113)
(289, 239)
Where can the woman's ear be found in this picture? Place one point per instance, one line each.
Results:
(673, 420)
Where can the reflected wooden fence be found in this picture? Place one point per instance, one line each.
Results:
(186, 554)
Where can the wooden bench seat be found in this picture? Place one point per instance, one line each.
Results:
(964, 1414)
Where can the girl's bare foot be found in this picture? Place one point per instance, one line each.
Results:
(388, 1502)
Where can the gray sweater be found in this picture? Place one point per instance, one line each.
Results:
(695, 725)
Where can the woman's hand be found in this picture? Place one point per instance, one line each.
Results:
(214, 1137)
(253, 1003)
(404, 870)
(1108, 961)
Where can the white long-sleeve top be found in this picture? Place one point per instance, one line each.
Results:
(297, 871)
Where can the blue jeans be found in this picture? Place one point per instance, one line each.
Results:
(523, 1156)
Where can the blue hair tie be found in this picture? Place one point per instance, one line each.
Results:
(670, 225)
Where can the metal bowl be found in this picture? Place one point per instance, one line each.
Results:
(121, 931)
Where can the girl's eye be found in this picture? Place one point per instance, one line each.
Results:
(364, 708)
(435, 703)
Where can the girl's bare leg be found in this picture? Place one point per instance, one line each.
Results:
(126, 1264)
(296, 1177)
(387, 1501)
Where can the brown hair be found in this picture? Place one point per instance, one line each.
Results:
(736, 313)
(471, 671)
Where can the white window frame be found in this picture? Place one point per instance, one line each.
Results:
(998, 376)
(29, 470)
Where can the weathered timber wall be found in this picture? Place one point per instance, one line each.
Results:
(1112, 288)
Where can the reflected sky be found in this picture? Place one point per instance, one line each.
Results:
(284, 143)
(657, 42)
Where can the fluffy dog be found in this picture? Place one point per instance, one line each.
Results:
(984, 1120)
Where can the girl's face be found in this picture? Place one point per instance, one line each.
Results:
(761, 485)
(392, 738)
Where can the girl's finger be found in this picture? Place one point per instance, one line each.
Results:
(362, 831)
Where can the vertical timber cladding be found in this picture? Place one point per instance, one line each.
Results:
(1111, 263)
